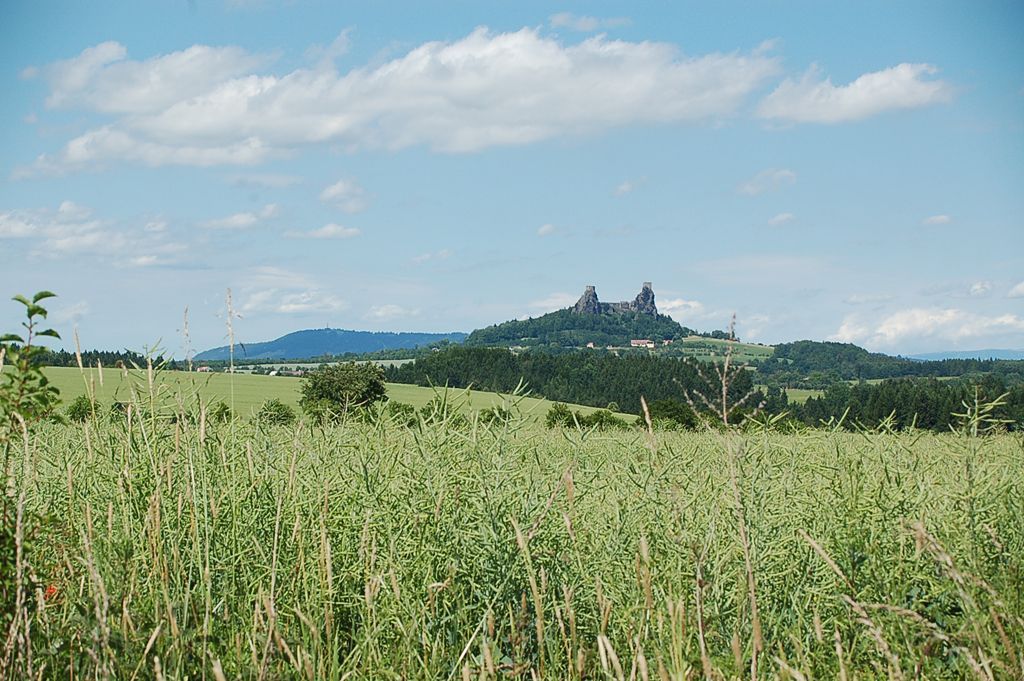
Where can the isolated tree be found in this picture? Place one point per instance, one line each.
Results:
(336, 389)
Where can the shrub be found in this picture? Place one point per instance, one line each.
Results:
(559, 415)
(81, 409)
(499, 415)
(602, 419)
(276, 413)
(336, 389)
(219, 413)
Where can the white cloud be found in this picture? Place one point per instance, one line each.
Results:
(916, 327)
(585, 24)
(390, 311)
(443, 254)
(628, 186)
(555, 301)
(100, 146)
(328, 231)
(867, 298)
(242, 220)
(205, 106)
(813, 100)
(1017, 291)
(546, 230)
(280, 291)
(70, 314)
(680, 308)
(937, 220)
(265, 180)
(767, 180)
(70, 230)
(347, 195)
(980, 288)
(781, 219)
(101, 78)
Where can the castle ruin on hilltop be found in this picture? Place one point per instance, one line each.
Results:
(643, 303)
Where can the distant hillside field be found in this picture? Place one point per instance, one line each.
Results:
(319, 342)
(252, 391)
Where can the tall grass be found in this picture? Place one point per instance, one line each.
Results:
(180, 548)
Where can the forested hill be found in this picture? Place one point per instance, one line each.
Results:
(815, 364)
(566, 329)
(313, 343)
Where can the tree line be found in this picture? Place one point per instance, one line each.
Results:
(675, 389)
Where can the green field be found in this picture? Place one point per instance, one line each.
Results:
(379, 551)
(248, 392)
(702, 348)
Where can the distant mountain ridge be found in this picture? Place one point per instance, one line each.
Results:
(970, 354)
(311, 343)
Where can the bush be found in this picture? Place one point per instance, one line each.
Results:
(276, 413)
(559, 415)
(336, 389)
(602, 419)
(219, 413)
(441, 410)
(81, 409)
(497, 415)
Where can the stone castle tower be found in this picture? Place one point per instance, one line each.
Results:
(643, 303)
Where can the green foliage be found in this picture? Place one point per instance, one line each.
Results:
(560, 416)
(219, 412)
(673, 414)
(334, 390)
(274, 412)
(361, 525)
(495, 415)
(580, 378)
(565, 328)
(26, 397)
(81, 409)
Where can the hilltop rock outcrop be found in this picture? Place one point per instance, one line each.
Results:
(642, 304)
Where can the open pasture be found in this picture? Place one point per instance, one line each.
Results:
(246, 392)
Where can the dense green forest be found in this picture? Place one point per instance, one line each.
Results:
(565, 328)
(603, 379)
(597, 380)
(107, 358)
(817, 365)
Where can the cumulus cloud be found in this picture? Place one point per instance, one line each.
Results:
(328, 231)
(867, 298)
(585, 24)
(937, 220)
(390, 311)
(1017, 291)
(555, 301)
(980, 288)
(425, 257)
(815, 100)
(347, 195)
(916, 327)
(71, 230)
(680, 308)
(264, 180)
(781, 219)
(628, 186)
(546, 230)
(103, 79)
(210, 106)
(242, 220)
(767, 180)
(280, 291)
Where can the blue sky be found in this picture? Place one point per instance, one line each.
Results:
(847, 171)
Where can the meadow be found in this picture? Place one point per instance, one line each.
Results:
(179, 548)
(245, 393)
